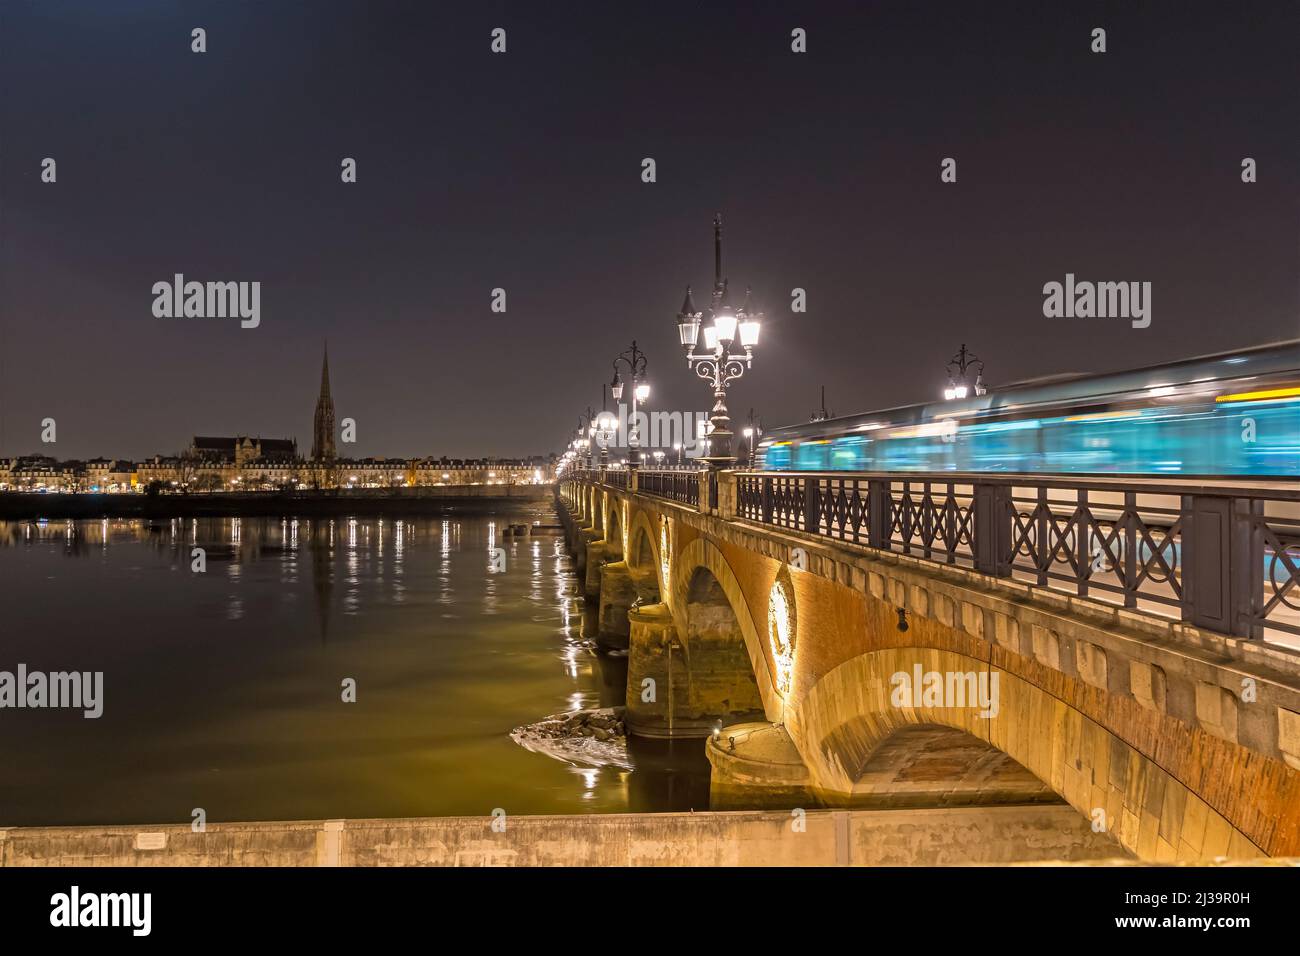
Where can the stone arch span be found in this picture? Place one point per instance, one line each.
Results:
(848, 714)
(643, 555)
(614, 530)
(700, 553)
(929, 765)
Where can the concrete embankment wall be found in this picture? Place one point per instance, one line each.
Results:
(743, 838)
(457, 499)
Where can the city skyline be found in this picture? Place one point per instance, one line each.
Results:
(322, 448)
(1122, 166)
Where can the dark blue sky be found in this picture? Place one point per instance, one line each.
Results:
(522, 171)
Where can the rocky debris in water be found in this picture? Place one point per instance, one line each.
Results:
(592, 737)
(602, 724)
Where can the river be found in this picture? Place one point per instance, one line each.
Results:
(223, 688)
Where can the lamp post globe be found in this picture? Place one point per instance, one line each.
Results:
(723, 359)
(634, 361)
(958, 370)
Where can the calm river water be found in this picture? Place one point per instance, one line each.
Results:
(222, 689)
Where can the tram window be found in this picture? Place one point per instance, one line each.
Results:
(848, 453)
(812, 456)
(1005, 446)
(776, 457)
(1275, 449)
(1232, 452)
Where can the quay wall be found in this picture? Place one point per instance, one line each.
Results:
(924, 837)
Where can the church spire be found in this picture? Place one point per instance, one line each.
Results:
(322, 444)
(325, 373)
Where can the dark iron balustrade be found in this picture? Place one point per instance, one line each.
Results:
(675, 485)
(616, 477)
(1219, 554)
(1223, 554)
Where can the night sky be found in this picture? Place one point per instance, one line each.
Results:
(523, 171)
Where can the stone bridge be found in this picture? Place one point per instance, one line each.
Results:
(830, 673)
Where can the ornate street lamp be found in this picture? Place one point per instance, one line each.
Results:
(957, 368)
(635, 361)
(729, 341)
(752, 433)
(600, 432)
(606, 429)
(584, 436)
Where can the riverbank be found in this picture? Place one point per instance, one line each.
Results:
(930, 837)
(435, 500)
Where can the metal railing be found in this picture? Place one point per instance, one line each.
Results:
(683, 486)
(1218, 554)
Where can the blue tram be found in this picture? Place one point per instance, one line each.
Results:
(1235, 413)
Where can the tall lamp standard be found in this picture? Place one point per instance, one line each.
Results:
(575, 453)
(603, 430)
(722, 362)
(600, 432)
(958, 366)
(635, 361)
(582, 446)
(587, 437)
(752, 433)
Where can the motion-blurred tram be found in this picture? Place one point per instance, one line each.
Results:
(1235, 413)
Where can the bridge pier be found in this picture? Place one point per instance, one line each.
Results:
(649, 686)
(594, 555)
(582, 550)
(757, 766)
(617, 593)
(697, 685)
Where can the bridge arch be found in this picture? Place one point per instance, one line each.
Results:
(698, 555)
(931, 765)
(842, 720)
(614, 530)
(643, 555)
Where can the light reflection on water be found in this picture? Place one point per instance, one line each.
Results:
(222, 690)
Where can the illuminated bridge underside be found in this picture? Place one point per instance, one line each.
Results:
(935, 766)
(1181, 740)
